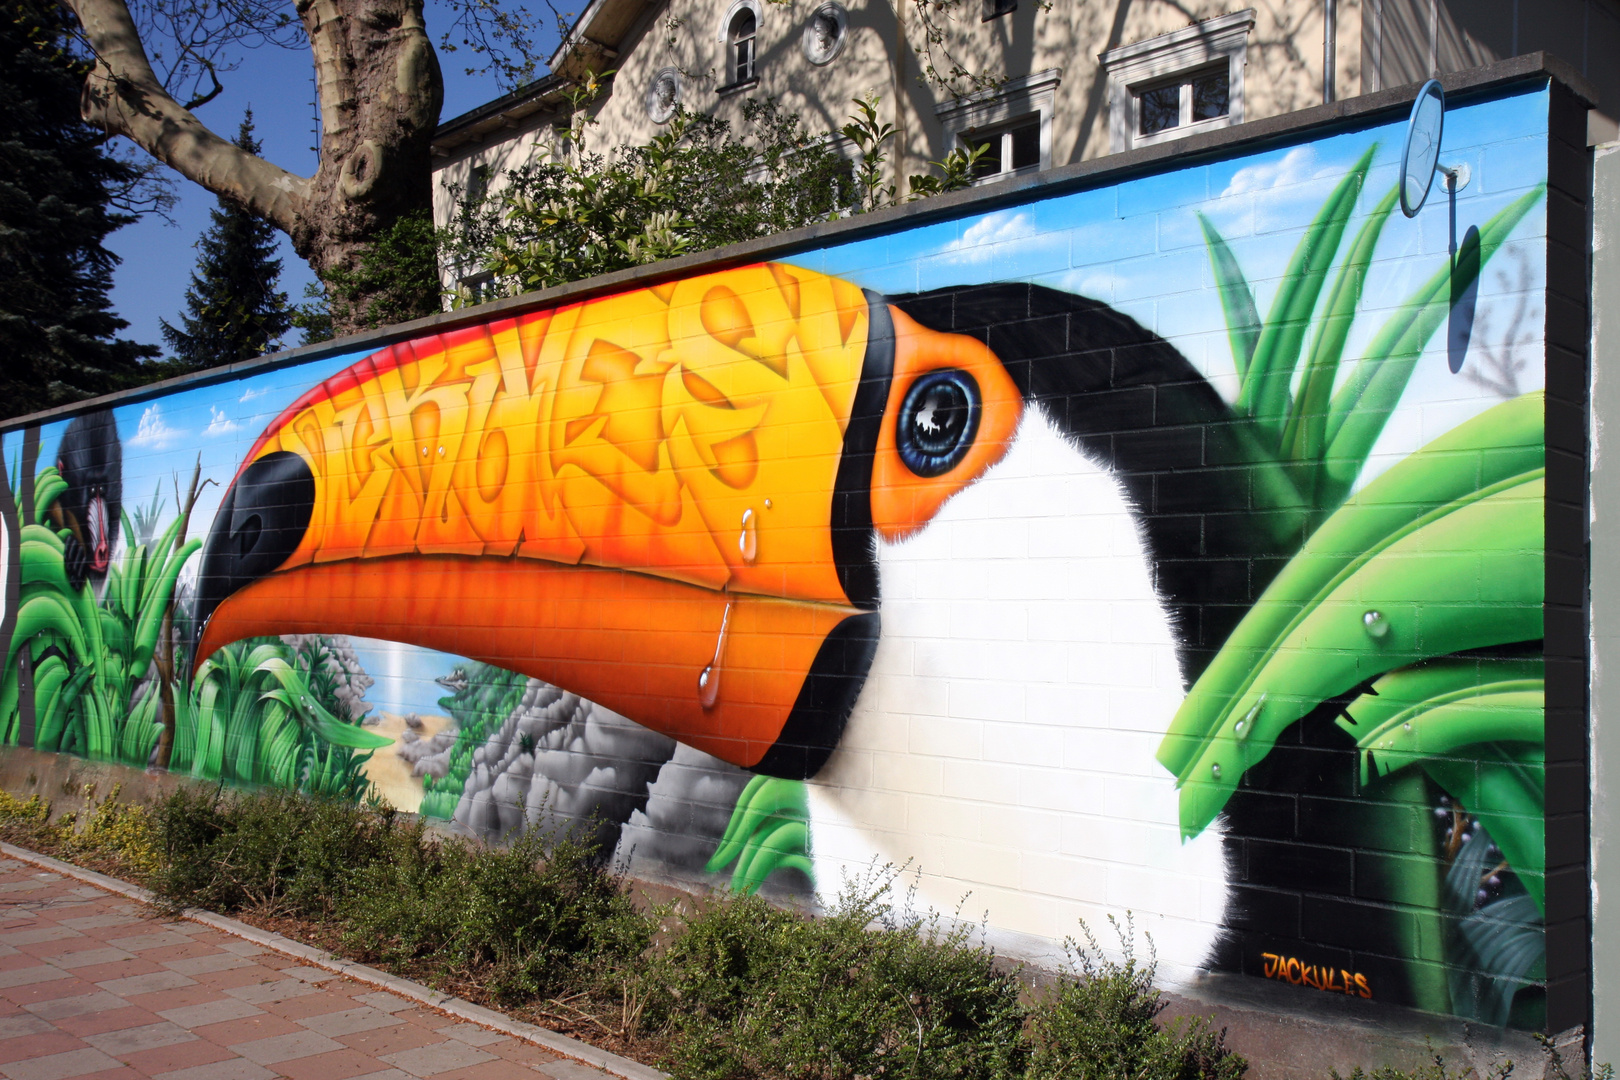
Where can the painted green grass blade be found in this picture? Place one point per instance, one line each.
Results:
(161, 555)
(155, 605)
(50, 675)
(1497, 447)
(43, 613)
(1364, 403)
(786, 844)
(732, 842)
(1237, 299)
(1265, 389)
(1306, 435)
(770, 798)
(48, 487)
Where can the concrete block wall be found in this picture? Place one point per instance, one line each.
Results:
(1181, 537)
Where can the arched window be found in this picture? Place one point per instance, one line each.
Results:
(741, 42)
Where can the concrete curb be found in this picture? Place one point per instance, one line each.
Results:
(453, 1006)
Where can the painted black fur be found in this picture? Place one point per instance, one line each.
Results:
(91, 460)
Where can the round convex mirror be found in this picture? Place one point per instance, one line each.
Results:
(1422, 151)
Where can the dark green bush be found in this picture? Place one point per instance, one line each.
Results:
(535, 918)
(865, 991)
(1100, 1022)
(277, 851)
(738, 990)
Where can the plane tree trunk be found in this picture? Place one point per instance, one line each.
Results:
(380, 90)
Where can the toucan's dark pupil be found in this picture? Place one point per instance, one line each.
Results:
(938, 420)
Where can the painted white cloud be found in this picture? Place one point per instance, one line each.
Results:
(153, 430)
(249, 394)
(219, 424)
(979, 242)
(1295, 167)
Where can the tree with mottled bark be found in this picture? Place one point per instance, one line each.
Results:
(379, 87)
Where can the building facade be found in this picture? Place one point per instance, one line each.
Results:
(1042, 84)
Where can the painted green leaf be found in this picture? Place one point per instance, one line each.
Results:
(1306, 435)
(1496, 447)
(783, 846)
(1436, 709)
(48, 487)
(1265, 388)
(1237, 299)
(1362, 406)
(1413, 568)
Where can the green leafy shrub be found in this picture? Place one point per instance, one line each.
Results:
(1100, 1021)
(272, 850)
(868, 990)
(533, 919)
(536, 919)
(105, 831)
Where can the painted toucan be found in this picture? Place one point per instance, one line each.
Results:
(753, 510)
(671, 501)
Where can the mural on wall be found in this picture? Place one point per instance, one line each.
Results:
(1175, 546)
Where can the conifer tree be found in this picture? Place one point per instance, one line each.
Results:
(58, 187)
(233, 309)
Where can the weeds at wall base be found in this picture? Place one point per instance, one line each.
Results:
(738, 989)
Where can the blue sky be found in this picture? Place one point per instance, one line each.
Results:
(158, 258)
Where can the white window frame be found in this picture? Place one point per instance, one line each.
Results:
(1135, 68)
(1003, 107)
(723, 36)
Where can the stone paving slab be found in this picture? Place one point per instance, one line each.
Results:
(96, 985)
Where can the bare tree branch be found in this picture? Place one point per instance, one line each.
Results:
(123, 95)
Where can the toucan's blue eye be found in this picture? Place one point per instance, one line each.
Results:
(937, 422)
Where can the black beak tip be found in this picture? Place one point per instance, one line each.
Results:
(260, 523)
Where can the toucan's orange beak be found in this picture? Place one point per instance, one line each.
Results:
(664, 501)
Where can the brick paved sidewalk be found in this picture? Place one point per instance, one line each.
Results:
(91, 985)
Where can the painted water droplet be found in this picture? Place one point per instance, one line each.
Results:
(1375, 624)
(1215, 770)
(1242, 728)
(1407, 726)
(748, 539)
(709, 678)
(767, 504)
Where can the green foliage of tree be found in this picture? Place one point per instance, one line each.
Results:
(696, 185)
(233, 309)
(60, 196)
